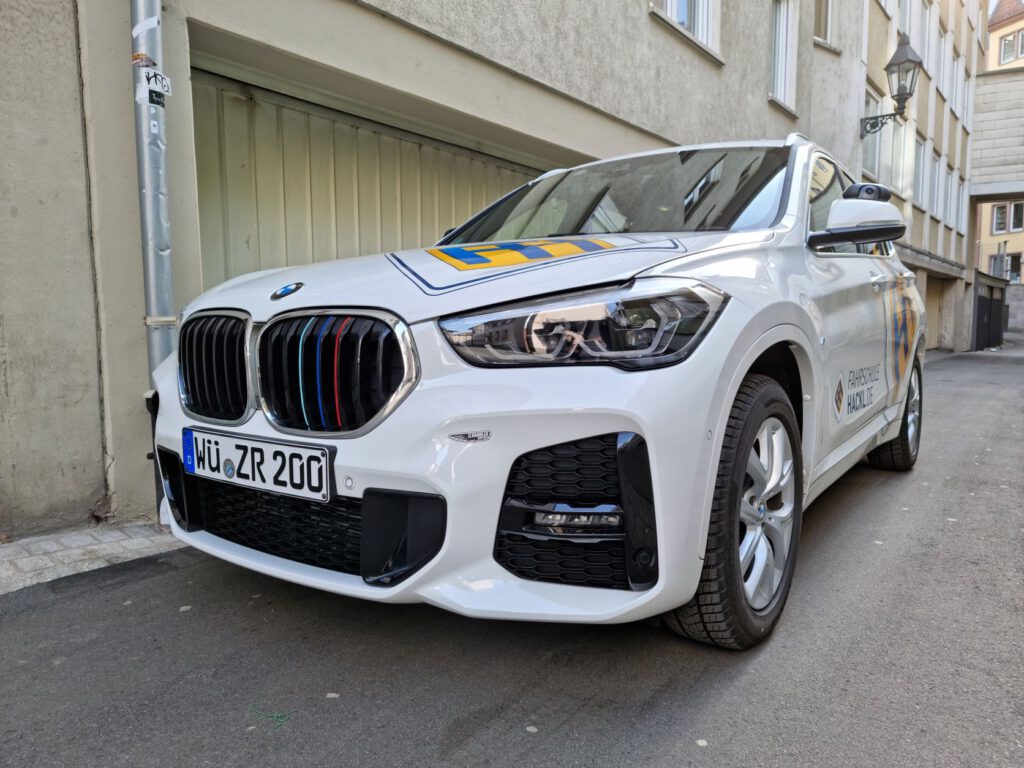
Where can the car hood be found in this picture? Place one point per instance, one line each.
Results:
(422, 284)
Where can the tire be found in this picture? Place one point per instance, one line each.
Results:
(723, 612)
(900, 453)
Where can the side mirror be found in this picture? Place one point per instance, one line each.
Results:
(858, 222)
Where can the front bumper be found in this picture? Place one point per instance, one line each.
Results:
(523, 410)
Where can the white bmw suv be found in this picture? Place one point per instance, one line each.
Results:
(608, 396)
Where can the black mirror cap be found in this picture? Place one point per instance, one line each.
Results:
(867, 192)
(857, 235)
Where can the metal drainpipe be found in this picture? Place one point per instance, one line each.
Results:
(151, 92)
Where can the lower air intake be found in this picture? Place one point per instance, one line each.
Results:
(325, 535)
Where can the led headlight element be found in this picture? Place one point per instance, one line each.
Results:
(648, 323)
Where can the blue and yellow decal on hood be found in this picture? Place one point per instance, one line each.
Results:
(511, 254)
(446, 268)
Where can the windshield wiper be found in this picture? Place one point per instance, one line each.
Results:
(570, 234)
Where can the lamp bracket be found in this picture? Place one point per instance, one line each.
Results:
(874, 123)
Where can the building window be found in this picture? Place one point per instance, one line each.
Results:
(934, 199)
(898, 138)
(924, 35)
(782, 52)
(940, 59)
(967, 99)
(1017, 217)
(1013, 267)
(1020, 48)
(948, 192)
(869, 148)
(823, 20)
(999, 219)
(919, 197)
(954, 86)
(903, 19)
(1006, 53)
(698, 17)
(958, 203)
(1006, 266)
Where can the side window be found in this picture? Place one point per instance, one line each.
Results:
(826, 187)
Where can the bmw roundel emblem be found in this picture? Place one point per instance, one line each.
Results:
(285, 290)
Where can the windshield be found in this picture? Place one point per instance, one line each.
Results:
(704, 190)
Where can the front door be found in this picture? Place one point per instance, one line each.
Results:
(851, 283)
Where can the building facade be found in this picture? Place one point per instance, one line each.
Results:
(926, 158)
(1000, 152)
(320, 129)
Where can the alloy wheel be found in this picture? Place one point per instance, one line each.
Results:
(914, 412)
(766, 513)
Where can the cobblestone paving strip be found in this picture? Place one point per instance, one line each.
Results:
(42, 558)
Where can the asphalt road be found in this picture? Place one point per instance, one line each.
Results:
(901, 645)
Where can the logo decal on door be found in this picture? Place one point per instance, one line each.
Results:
(839, 397)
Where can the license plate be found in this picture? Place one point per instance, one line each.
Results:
(294, 470)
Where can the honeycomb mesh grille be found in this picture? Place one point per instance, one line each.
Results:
(596, 564)
(324, 535)
(581, 472)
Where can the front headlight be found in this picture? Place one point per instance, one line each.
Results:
(648, 323)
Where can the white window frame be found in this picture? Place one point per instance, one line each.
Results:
(966, 110)
(1003, 58)
(940, 61)
(783, 68)
(703, 30)
(918, 191)
(1020, 43)
(934, 190)
(1006, 219)
(903, 15)
(897, 154)
(872, 139)
(963, 206)
(828, 22)
(957, 98)
(925, 34)
(948, 192)
(950, 69)
(958, 201)
(1012, 208)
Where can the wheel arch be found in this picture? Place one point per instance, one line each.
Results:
(781, 351)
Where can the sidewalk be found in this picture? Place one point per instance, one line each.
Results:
(25, 562)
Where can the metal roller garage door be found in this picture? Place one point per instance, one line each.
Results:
(284, 182)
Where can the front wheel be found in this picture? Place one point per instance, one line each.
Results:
(755, 523)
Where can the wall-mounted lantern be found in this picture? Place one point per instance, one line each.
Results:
(902, 71)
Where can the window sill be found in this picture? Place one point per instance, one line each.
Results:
(872, 177)
(783, 107)
(827, 46)
(707, 51)
(919, 207)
